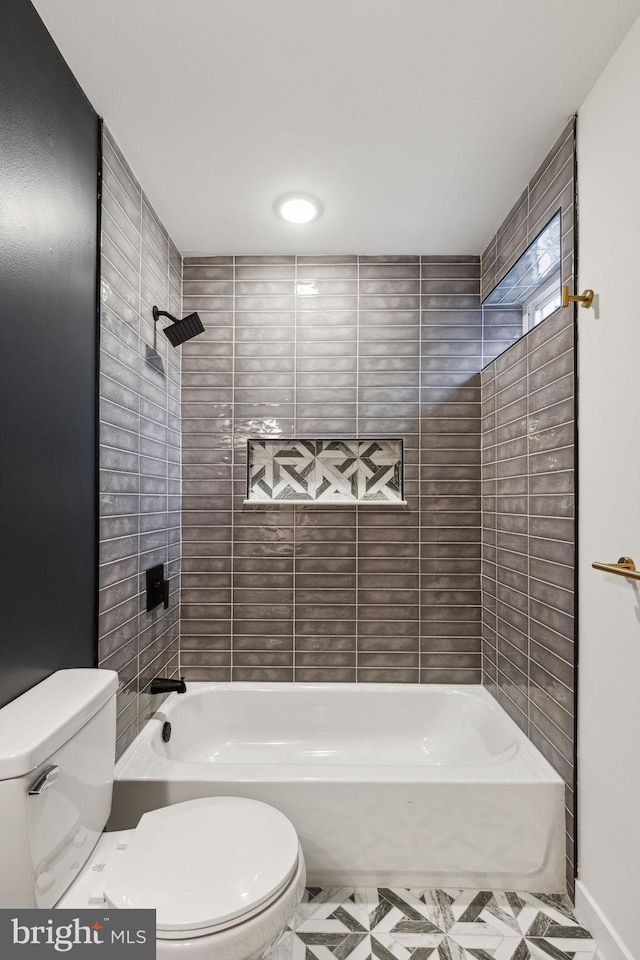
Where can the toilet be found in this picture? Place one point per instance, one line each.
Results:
(224, 874)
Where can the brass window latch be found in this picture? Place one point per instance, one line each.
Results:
(584, 299)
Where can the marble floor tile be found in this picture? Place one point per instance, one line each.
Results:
(346, 923)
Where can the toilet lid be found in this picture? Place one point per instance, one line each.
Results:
(205, 863)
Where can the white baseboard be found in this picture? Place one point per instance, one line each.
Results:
(592, 917)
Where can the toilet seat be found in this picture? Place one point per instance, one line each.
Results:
(205, 865)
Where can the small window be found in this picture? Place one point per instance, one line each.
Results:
(545, 301)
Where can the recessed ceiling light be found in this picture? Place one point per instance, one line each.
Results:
(298, 207)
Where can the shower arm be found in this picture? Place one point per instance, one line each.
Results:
(162, 313)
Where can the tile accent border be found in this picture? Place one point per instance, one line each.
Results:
(325, 471)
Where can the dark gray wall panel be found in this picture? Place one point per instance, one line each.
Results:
(48, 263)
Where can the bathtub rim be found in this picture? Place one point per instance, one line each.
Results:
(140, 761)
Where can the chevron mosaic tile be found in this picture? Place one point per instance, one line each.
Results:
(417, 924)
(325, 471)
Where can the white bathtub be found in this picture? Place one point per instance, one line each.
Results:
(386, 784)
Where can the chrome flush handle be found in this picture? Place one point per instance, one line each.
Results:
(44, 781)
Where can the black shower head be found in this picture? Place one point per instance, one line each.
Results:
(180, 330)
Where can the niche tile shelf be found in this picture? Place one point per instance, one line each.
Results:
(325, 471)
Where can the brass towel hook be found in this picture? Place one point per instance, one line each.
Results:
(585, 299)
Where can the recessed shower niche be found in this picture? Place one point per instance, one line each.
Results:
(325, 471)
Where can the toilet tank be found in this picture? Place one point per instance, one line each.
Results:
(57, 759)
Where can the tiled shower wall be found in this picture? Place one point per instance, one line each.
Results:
(333, 347)
(139, 442)
(551, 188)
(528, 486)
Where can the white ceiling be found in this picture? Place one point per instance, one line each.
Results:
(416, 122)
